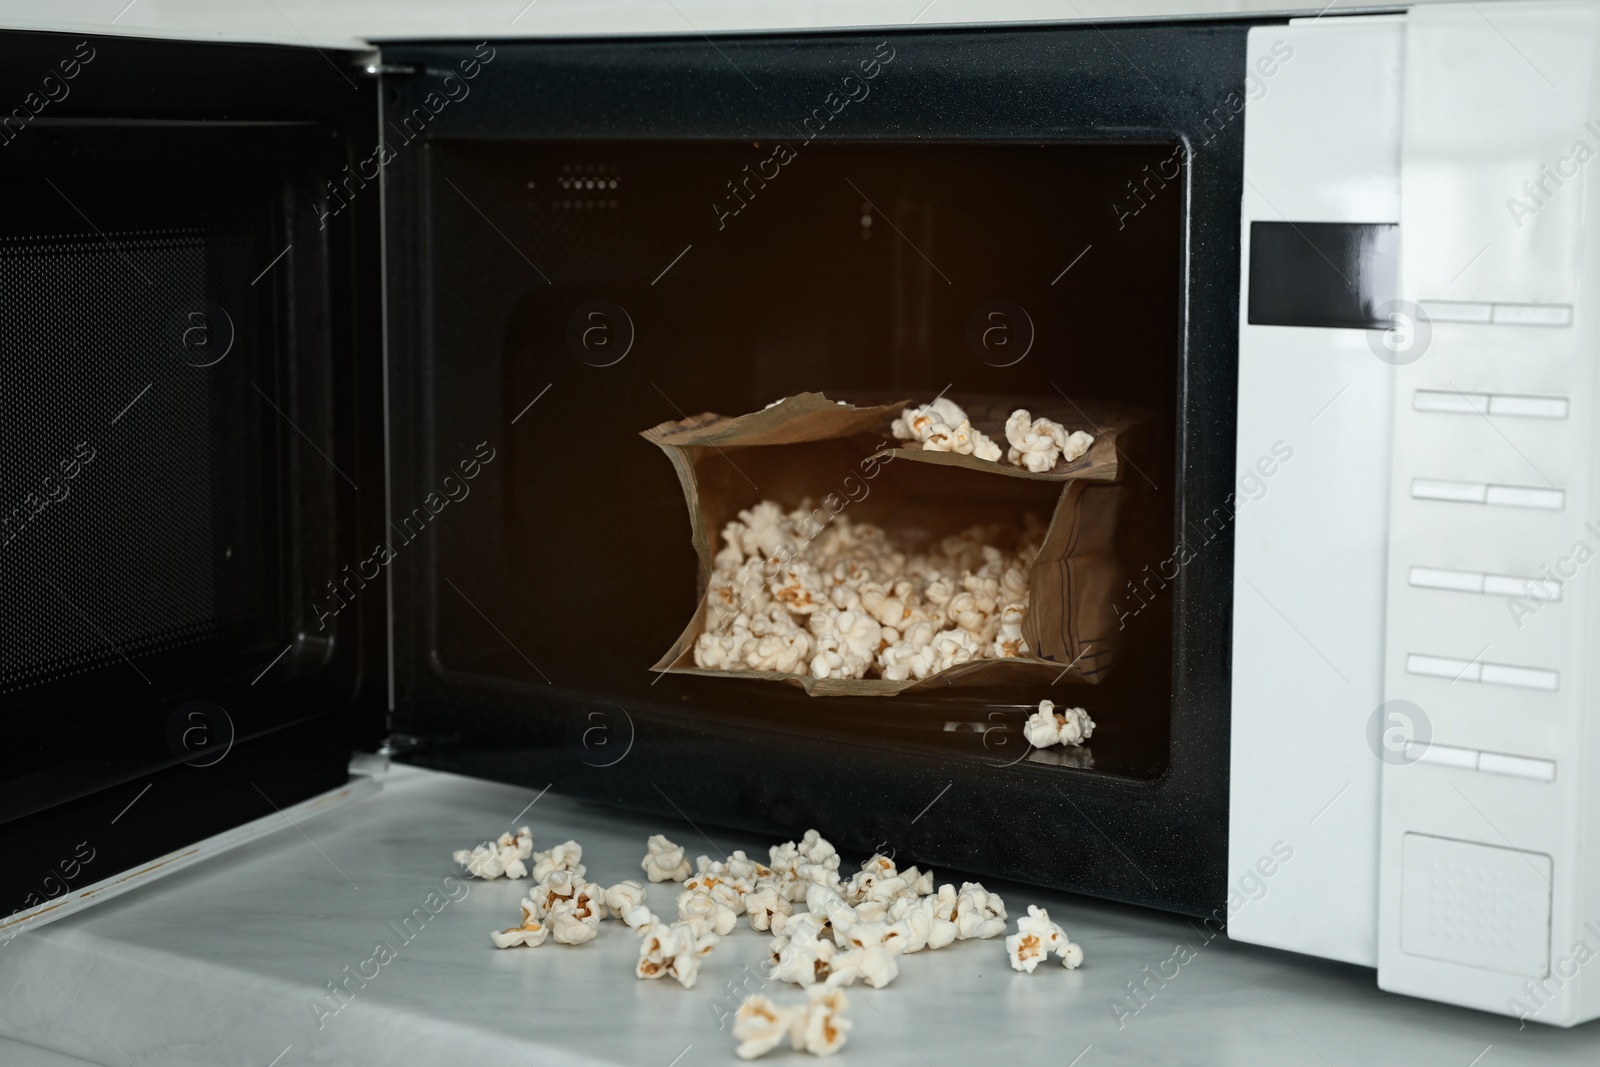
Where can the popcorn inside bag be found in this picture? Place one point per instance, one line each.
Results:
(837, 557)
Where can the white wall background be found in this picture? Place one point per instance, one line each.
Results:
(334, 20)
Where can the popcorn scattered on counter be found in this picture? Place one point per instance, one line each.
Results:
(978, 912)
(560, 907)
(558, 887)
(1047, 726)
(708, 913)
(566, 856)
(500, 858)
(818, 1026)
(797, 865)
(676, 950)
(870, 934)
(570, 909)
(726, 882)
(515, 849)
(1036, 938)
(665, 861)
(824, 1029)
(818, 856)
(531, 933)
(873, 948)
(880, 882)
(807, 962)
(745, 872)
(941, 907)
(623, 898)
(481, 862)
(798, 926)
(786, 861)
(826, 903)
(764, 903)
(854, 929)
(574, 922)
(591, 896)
(841, 601)
(910, 930)
(760, 1026)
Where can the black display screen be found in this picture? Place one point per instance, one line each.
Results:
(1327, 274)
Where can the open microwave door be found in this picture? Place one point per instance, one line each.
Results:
(192, 409)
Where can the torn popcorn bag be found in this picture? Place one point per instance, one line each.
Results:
(870, 550)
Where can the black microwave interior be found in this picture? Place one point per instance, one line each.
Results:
(745, 234)
(853, 269)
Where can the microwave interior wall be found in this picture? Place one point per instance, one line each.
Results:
(531, 607)
(182, 349)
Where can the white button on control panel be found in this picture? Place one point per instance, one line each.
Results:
(1474, 582)
(1457, 670)
(1498, 314)
(1457, 311)
(1470, 759)
(1506, 585)
(1529, 407)
(1461, 670)
(1452, 402)
(1443, 755)
(1508, 496)
(1455, 402)
(1518, 496)
(1532, 315)
(1520, 677)
(1542, 770)
(1456, 492)
(1436, 578)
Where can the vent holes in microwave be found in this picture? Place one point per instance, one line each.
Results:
(587, 185)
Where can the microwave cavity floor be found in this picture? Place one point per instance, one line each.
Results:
(231, 962)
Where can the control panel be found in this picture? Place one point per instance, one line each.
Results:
(1484, 886)
(1415, 591)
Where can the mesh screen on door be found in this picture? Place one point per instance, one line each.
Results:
(134, 468)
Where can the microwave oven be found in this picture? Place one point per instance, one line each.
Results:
(374, 334)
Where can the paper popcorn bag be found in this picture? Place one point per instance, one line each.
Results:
(841, 464)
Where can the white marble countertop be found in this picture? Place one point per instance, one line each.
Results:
(222, 964)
